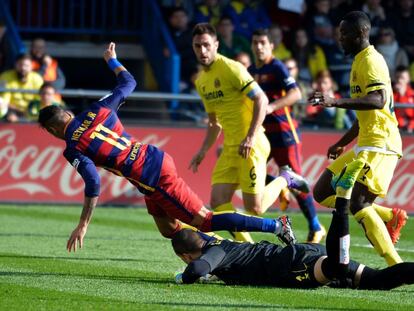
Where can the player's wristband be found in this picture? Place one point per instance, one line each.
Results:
(114, 63)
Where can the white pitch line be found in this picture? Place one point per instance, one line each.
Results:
(370, 246)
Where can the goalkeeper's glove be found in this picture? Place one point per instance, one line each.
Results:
(178, 276)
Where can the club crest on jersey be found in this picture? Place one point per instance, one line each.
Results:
(355, 89)
(217, 83)
(354, 76)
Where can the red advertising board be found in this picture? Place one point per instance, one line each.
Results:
(32, 168)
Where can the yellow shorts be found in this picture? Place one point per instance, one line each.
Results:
(250, 173)
(377, 172)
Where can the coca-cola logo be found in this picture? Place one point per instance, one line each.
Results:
(34, 169)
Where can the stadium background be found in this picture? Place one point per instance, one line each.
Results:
(31, 168)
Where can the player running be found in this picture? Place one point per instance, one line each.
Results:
(281, 128)
(237, 105)
(372, 161)
(96, 138)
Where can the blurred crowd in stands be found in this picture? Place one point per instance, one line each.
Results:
(304, 34)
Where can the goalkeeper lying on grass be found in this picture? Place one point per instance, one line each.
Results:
(298, 265)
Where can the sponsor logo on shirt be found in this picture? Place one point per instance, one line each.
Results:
(213, 95)
(75, 163)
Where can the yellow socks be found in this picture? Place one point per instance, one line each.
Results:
(238, 236)
(329, 201)
(377, 234)
(271, 193)
(384, 212)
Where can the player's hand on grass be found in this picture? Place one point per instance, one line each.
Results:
(320, 99)
(246, 146)
(196, 161)
(110, 52)
(178, 276)
(76, 237)
(335, 151)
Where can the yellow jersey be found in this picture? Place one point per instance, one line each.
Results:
(224, 88)
(20, 101)
(377, 127)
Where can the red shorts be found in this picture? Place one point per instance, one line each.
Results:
(172, 197)
(291, 155)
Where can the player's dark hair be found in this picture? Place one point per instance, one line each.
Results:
(204, 28)
(359, 19)
(186, 241)
(262, 32)
(50, 114)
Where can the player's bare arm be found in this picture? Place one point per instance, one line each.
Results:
(110, 57)
(338, 148)
(291, 97)
(373, 100)
(260, 103)
(76, 238)
(213, 131)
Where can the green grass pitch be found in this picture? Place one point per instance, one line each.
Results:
(126, 265)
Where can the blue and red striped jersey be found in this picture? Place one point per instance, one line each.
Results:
(275, 81)
(97, 138)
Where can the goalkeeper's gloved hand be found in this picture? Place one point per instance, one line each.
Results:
(178, 277)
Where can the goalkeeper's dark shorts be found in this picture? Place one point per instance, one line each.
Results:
(300, 260)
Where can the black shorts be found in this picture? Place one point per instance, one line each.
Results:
(294, 267)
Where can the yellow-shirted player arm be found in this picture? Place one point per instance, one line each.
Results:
(373, 100)
(260, 102)
(213, 131)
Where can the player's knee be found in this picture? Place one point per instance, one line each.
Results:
(317, 195)
(356, 205)
(323, 188)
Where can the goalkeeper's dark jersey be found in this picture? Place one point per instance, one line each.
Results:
(262, 263)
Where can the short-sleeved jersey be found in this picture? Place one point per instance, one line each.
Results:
(274, 79)
(377, 127)
(97, 138)
(225, 88)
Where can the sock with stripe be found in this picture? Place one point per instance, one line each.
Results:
(237, 236)
(377, 234)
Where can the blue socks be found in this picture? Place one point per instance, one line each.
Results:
(238, 222)
(305, 201)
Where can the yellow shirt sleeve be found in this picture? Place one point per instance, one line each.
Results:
(241, 79)
(375, 75)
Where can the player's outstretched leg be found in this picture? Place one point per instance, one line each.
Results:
(237, 222)
(237, 236)
(316, 231)
(388, 278)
